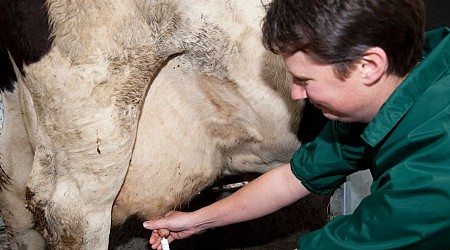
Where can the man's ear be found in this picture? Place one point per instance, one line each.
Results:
(373, 65)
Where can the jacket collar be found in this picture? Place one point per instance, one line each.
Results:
(437, 61)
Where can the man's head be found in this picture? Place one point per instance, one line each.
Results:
(338, 32)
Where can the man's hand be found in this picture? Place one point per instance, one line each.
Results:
(174, 225)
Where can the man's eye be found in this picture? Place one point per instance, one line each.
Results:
(301, 82)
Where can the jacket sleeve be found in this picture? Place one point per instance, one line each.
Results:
(323, 164)
(409, 207)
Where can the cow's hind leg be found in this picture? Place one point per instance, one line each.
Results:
(87, 93)
(83, 148)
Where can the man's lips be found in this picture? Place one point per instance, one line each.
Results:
(315, 104)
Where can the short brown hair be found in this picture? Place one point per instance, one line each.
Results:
(338, 32)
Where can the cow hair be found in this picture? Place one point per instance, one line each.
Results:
(4, 179)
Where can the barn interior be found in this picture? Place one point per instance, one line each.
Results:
(281, 229)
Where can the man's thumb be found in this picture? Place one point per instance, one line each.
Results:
(152, 225)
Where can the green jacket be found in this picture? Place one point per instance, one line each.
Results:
(407, 149)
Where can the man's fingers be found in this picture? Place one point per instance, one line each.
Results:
(154, 242)
(153, 237)
(164, 232)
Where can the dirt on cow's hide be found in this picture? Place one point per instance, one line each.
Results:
(279, 231)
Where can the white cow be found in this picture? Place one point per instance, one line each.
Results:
(87, 141)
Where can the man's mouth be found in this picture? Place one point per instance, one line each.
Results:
(315, 105)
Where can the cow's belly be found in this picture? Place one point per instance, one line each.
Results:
(173, 158)
(192, 130)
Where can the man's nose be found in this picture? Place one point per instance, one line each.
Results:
(298, 92)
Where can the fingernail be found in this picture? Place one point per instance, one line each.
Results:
(146, 224)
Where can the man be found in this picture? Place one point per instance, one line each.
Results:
(360, 62)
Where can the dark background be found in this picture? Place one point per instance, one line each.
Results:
(438, 13)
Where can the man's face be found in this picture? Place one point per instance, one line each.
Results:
(345, 100)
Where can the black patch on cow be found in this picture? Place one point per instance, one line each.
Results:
(7, 76)
(25, 33)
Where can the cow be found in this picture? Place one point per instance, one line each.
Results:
(121, 108)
